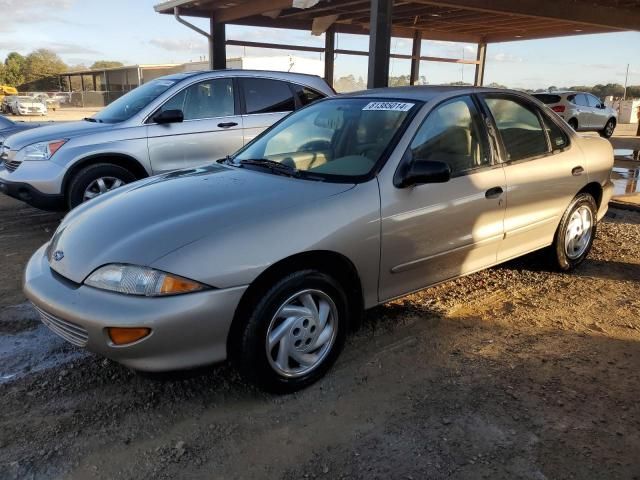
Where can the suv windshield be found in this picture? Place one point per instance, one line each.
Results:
(335, 140)
(128, 105)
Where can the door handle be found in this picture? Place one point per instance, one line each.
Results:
(577, 171)
(227, 125)
(494, 192)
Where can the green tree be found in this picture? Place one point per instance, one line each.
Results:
(13, 71)
(106, 64)
(41, 69)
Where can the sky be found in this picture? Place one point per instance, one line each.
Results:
(83, 31)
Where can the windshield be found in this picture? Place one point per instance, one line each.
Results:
(336, 139)
(128, 105)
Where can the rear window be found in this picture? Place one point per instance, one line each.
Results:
(548, 98)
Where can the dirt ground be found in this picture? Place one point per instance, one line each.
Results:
(515, 372)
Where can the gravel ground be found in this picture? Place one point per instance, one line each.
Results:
(510, 373)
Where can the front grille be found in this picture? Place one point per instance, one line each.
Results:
(12, 166)
(71, 332)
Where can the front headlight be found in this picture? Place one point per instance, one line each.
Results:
(143, 281)
(40, 151)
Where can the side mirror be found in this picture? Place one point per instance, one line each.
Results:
(169, 116)
(420, 172)
(602, 106)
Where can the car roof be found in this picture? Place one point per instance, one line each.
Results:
(426, 92)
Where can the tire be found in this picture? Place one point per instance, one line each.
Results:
(609, 128)
(573, 123)
(564, 256)
(88, 175)
(257, 361)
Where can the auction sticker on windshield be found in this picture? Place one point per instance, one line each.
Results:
(389, 106)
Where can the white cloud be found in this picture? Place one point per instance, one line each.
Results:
(505, 58)
(182, 45)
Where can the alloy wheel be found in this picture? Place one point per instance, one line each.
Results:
(301, 333)
(101, 185)
(578, 233)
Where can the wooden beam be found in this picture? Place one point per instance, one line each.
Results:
(482, 61)
(249, 9)
(415, 58)
(380, 43)
(329, 54)
(579, 12)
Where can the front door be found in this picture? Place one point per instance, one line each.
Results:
(542, 169)
(434, 232)
(211, 128)
(599, 115)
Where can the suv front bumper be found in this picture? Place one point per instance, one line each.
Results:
(32, 196)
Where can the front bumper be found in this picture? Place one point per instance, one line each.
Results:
(32, 196)
(186, 330)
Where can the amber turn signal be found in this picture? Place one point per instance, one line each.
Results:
(123, 336)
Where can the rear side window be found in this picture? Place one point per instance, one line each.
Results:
(306, 95)
(262, 95)
(557, 136)
(548, 98)
(519, 126)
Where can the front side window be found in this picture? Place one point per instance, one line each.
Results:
(262, 95)
(593, 101)
(580, 100)
(337, 139)
(128, 105)
(208, 99)
(452, 134)
(519, 125)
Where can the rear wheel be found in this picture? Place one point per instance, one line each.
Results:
(95, 180)
(573, 123)
(575, 234)
(609, 128)
(294, 332)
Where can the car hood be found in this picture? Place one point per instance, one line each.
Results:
(18, 127)
(54, 132)
(146, 220)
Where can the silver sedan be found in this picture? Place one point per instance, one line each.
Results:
(266, 258)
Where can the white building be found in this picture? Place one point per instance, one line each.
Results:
(280, 63)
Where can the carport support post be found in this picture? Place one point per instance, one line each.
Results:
(482, 58)
(217, 46)
(415, 57)
(379, 43)
(329, 54)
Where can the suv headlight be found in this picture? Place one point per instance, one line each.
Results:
(143, 281)
(40, 150)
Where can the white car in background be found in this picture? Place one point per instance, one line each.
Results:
(22, 105)
(583, 111)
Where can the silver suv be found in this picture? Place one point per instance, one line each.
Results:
(173, 122)
(583, 111)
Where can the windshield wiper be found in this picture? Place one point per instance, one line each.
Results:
(272, 165)
(89, 119)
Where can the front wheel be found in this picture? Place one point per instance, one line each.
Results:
(575, 234)
(609, 128)
(294, 332)
(95, 180)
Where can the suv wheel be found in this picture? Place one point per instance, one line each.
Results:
(294, 333)
(94, 180)
(575, 234)
(609, 128)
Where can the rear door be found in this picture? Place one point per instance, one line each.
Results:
(264, 101)
(211, 128)
(543, 172)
